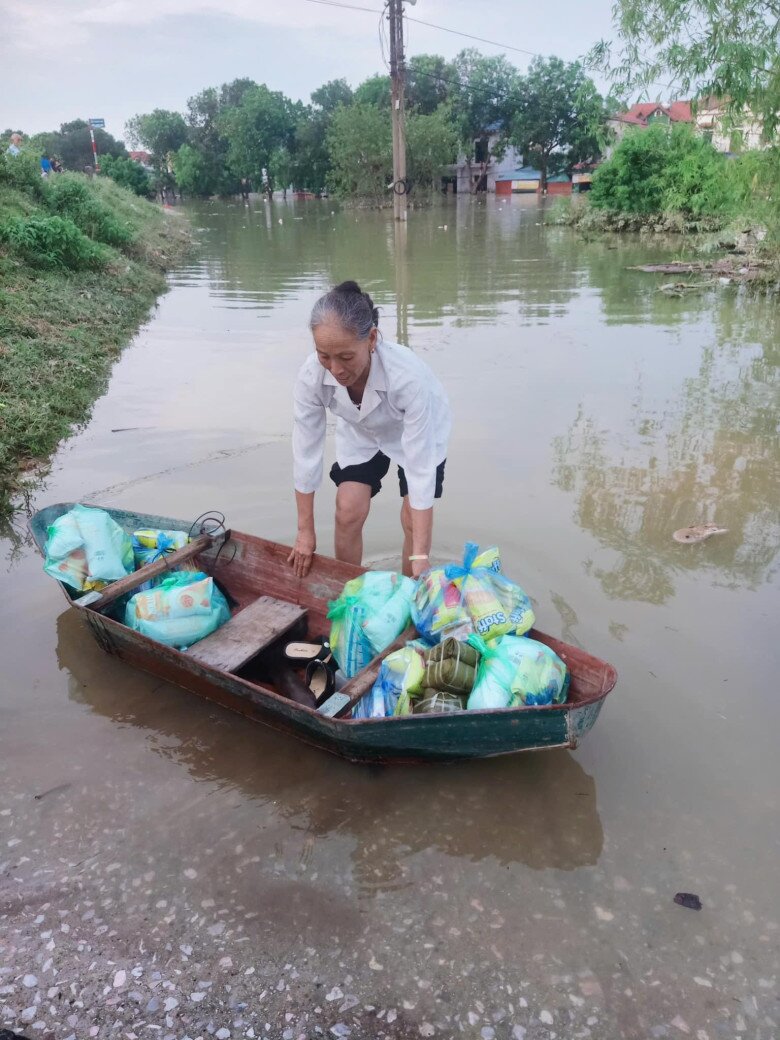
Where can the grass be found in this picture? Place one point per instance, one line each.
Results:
(61, 330)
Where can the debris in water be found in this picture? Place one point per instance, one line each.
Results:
(688, 899)
(697, 533)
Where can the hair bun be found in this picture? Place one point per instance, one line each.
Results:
(349, 287)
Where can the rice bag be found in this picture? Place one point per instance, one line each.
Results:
(150, 545)
(185, 607)
(475, 597)
(516, 671)
(451, 667)
(86, 549)
(372, 610)
(400, 677)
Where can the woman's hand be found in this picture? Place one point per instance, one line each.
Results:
(303, 550)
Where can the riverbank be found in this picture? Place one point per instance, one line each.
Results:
(61, 328)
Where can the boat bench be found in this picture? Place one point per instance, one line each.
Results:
(248, 632)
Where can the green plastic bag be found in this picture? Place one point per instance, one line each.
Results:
(372, 610)
(516, 671)
(184, 608)
(87, 549)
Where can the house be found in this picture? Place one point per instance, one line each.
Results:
(645, 114)
(484, 169)
(526, 180)
(729, 132)
(144, 158)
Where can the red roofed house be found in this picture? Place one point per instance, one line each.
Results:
(646, 113)
(144, 158)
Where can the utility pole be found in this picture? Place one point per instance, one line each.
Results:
(397, 76)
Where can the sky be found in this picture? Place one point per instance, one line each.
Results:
(112, 59)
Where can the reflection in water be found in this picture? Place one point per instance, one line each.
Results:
(710, 451)
(473, 812)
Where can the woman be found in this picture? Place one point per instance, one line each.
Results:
(389, 406)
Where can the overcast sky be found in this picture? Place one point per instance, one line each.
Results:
(65, 59)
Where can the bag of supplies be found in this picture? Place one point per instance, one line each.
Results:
(516, 671)
(400, 677)
(86, 549)
(457, 600)
(372, 610)
(186, 606)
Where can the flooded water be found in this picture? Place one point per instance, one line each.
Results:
(168, 869)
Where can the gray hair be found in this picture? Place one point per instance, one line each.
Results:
(350, 306)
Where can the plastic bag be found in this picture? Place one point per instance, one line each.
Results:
(184, 608)
(473, 597)
(87, 549)
(400, 677)
(372, 610)
(516, 671)
(150, 545)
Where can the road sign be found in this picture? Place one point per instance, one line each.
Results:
(98, 124)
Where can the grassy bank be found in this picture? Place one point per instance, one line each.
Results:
(81, 263)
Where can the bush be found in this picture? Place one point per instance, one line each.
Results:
(126, 172)
(22, 172)
(664, 169)
(71, 196)
(52, 242)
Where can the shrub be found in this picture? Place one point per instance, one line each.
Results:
(664, 169)
(53, 242)
(22, 172)
(127, 173)
(70, 196)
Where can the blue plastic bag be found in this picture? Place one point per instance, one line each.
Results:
(372, 610)
(184, 608)
(87, 549)
(516, 671)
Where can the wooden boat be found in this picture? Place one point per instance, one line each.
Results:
(271, 604)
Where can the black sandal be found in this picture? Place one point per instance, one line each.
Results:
(305, 651)
(321, 679)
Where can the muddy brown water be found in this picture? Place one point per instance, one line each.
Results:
(168, 869)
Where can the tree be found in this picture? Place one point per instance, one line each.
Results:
(431, 143)
(560, 117)
(72, 144)
(374, 91)
(126, 172)
(192, 171)
(730, 50)
(330, 95)
(483, 103)
(264, 121)
(161, 132)
(361, 152)
(430, 81)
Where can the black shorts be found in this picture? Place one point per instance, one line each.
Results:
(373, 472)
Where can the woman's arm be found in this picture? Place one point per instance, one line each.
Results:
(306, 540)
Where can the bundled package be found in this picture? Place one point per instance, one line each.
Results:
(516, 671)
(457, 600)
(372, 610)
(400, 678)
(450, 667)
(439, 702)
(87, 549)
(186, 606)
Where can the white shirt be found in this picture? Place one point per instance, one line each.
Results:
(404, 413)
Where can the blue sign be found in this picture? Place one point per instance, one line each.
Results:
(97, 124)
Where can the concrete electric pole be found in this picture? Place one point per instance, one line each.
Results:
(397, 76)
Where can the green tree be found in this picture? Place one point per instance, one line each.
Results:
(160, 132)
(361, 152)
(560, 117)
(664, 169)
(431, 143)
(232, 94)
(264, 121)
(374, 91)
(126, 172)
(430, 81)
(330, 95)
(484, 103)
(192, 171)
(729, 49)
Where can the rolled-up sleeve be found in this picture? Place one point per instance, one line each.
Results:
(308, 439)
(419, 447)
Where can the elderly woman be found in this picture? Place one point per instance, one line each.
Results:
(389, 407)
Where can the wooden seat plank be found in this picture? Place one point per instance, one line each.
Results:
(247, 633)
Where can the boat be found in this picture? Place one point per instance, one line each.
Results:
(270, 605)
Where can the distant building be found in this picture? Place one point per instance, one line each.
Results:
(484, 169)
(526, 180)
(729, 132)
(144, 158)
(646, 114)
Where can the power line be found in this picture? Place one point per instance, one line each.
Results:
(349, 7)
(479, 39)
